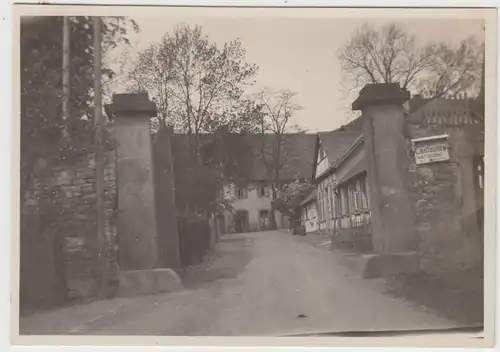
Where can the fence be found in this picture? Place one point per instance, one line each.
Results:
(354, 220)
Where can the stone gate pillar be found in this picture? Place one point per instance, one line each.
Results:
(137, 228)
(393, 229)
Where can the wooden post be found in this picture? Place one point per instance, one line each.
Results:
(99, 158)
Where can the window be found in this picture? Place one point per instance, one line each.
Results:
(338, 205)
(480, 171)
(241, 192)
(321, 153)
(327, 200)
(263, 215)
(320, 213)
(352, 198)
(323, 205)
(263, 191)
(365, 194)
(345, 201)
(359, 201)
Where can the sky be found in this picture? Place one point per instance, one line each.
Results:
(300, 54)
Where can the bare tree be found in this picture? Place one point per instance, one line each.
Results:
(454, 71)
(389, 54)
(276, 122)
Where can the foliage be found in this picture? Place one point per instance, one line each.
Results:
(194, 239)
(195, 83)
(198, 87)
(48, 140)
(291, 195)
(275, 123)
(389, 54)
(41, 87)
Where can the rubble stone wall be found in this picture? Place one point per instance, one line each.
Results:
(62, 208)
(444, 195)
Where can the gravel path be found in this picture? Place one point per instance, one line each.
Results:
(267, 283)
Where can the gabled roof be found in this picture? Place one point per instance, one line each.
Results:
(337, 143)
(358, 168)
(297, 148)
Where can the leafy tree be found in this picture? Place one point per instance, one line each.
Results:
(41, 87)
(198, 87)
(389, 54)
(275, 124)
(291, 195)
(48, 140)
(225, 156)
(194, 82)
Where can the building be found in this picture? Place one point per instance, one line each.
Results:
(331, 151)
(251, 202)
(408, 175)
(251, 198)
(309, 212)
(251, 194)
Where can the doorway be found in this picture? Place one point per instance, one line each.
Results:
(263, 219)
(221, 222)
(241, 221)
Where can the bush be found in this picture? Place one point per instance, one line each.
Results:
(194, 239)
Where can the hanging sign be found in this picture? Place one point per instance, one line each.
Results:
(431, 149)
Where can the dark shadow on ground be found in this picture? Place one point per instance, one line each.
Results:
(230, 256)
(461, 301)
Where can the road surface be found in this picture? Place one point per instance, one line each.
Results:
(259, 284)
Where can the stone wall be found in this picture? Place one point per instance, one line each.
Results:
(444, 197)
(62, 205)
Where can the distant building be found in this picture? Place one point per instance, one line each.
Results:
(309, 212)
(252, 197)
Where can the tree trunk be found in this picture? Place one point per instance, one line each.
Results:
(272, 217)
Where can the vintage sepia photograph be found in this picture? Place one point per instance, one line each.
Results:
(243, 172)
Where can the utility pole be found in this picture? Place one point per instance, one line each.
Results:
(99, 157)
(65, 75)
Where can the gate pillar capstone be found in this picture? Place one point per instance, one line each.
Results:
(137, 228)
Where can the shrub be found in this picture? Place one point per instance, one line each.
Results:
(194, 239)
